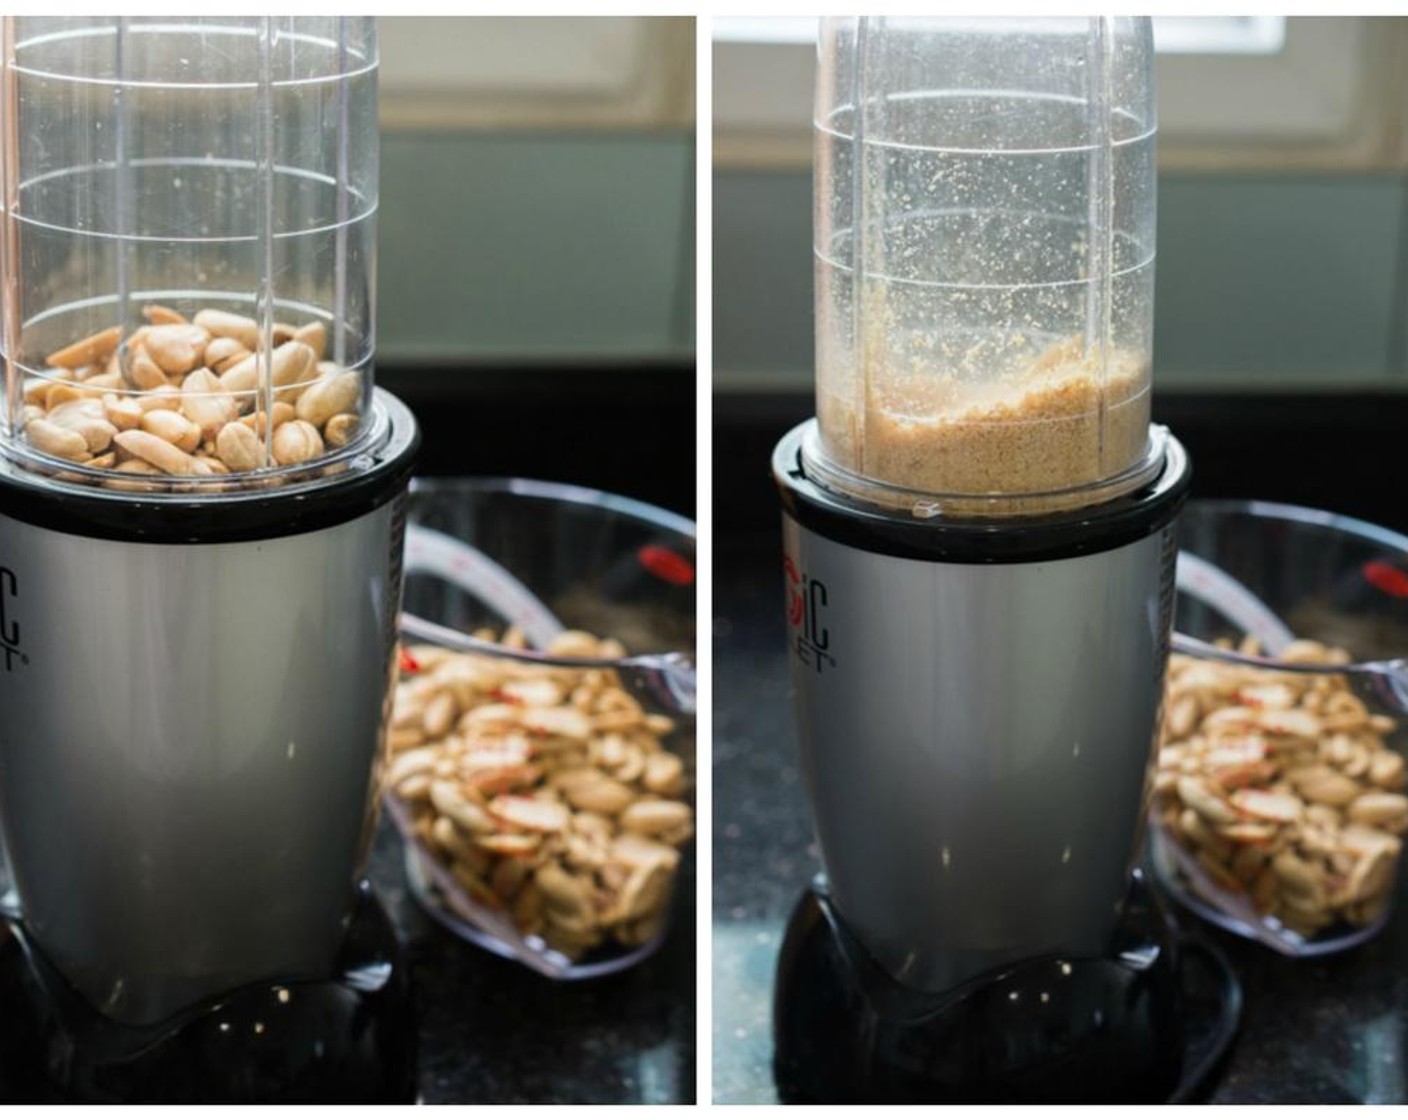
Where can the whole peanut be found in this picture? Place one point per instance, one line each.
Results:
(340, 429)
(165, 456)
(171, 426)
(239, 447)
(91, 351)
(224, 324)
(329, 396)
(296, 441)
(55, 440)
(205, 404)
(176, 347)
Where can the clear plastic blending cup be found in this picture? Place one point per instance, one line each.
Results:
(190, 230)
(984, 217)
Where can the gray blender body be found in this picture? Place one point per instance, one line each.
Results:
(976, 740)
(188, 739)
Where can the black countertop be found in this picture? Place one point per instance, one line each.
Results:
(1325, 1030)
(493, 1032)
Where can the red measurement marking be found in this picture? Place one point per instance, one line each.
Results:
(1387, 578)
(666, 564)
(795, 607)
(408, 663)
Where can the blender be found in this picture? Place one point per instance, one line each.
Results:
(201, 517)
(979, 561)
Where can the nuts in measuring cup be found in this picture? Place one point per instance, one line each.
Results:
(545, 790)
(177, 389)
(1282, 787)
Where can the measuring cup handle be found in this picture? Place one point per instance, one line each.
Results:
(670, 679)
(435, 553)
(9, 897)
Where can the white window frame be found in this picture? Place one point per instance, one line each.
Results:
(1327, 100)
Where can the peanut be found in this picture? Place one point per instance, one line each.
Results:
(290, 362)
(328, 396)
(205, 405)
(53, 439)
(165, 396)
(123, 413)
(61, 393)
(143, 372)
(296, 441)
(340, 429)
(160, 453)
(282, 413)
(131, 467)
(239, 447)
(91, 351)
(176, 347)
(293, 362)
(224, 324)
(314, 336)
(76, 412)
(171, 426)
(96, 386)
(157, 314)
(222, 353)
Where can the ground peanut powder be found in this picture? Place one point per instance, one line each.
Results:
(1032, 432)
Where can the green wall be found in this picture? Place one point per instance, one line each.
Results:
(1262, 282)
(536, 248)
(541, 248)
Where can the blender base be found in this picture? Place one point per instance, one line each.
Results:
(1049, 1029)
(350, 1038)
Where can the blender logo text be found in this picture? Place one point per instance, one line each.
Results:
(9, 626)
(806, 599)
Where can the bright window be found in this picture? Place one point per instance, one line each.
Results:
(1172, 35)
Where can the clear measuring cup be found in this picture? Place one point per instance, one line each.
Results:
(1279, 573)
(543, 557)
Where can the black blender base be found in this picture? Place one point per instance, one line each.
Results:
(1046, 1030)
(351, 1038)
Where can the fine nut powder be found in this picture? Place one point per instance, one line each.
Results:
(1063, 421)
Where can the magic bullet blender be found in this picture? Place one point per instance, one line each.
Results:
(979, 547)
(198, 632)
